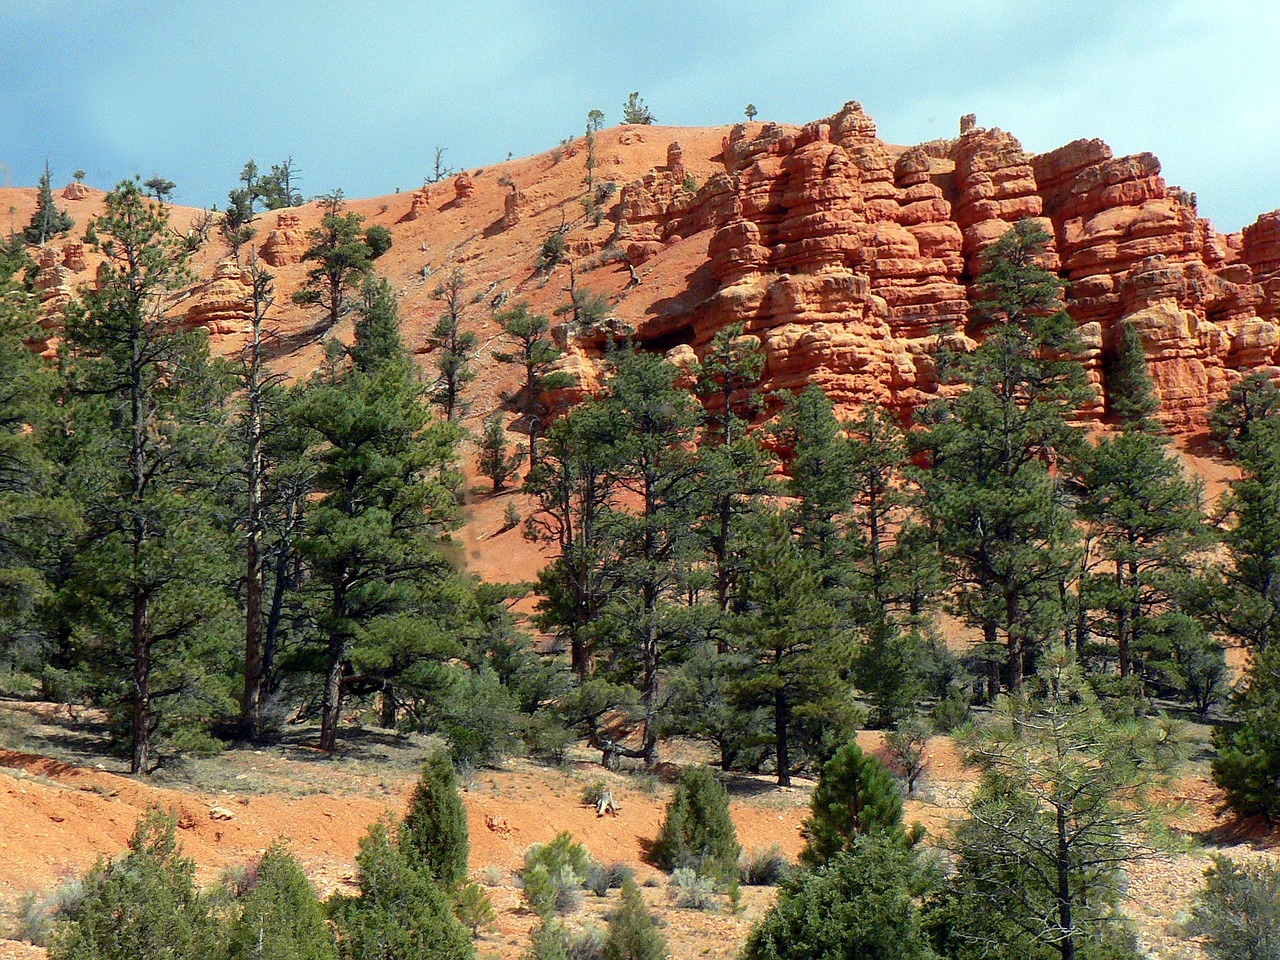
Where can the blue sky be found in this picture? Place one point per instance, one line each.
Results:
(360, 93)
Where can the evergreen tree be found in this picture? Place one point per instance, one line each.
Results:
(279, 917)
(433, 837)
(1251, 401)
(795, 649)
(388, 486)
(990, 494)
(1238, 912)
(856, 796)
(632, 933)
(35, 516)
(861, 905)
(698, 832)
(148, 588)
(160, 188)
(534, 352)
(634, 110)
(1246, 764)
(495, 461)
(341, 258)
(820, 477)
(1131, 393)
(1144, 516)
(48, 221)
(279, 187)
(574, 486)
(1062, 805)
(401, 913)
(143, 906)
(455, 348)
(652, 542)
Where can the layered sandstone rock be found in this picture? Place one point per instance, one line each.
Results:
(463, 187)
(286, 243)
(75, 190)
(852, 260)
(222, 305)
(421, 203)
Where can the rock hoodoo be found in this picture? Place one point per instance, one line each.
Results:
(286, 243)
(851, 259)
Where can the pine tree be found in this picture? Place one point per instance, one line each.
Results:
(990, 493)
(341, 257)
(1131, 394)
(280, 916)
(1064, 802)
(495, 461)
(697, 831)
(388, 487)
(633, 935)
(149, 585)
(795, 652)
(1246, 764)
(48, 221)
(652, 544)
(534, 352)
(143, 906)
(856, 797)
(820, 477)
(433, 837)
(455, 348)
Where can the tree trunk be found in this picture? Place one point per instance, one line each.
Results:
(331, 706)
(1067, 945)
(140, 758)
(781, 721)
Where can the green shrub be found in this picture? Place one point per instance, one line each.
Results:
(952, 710)
(279, 915)
(1247, 765)
(856, 796)
(690, 890)
(632, 933)
(553, 874)
(1238, 912)
(552, 251)
(764, 867)
(593, 791)
(142, 906)
(434, 837)
(549, 940)
(473, 908)
(860, 905)
(378, 239)
(401, 913)
(698, 832)
(603, 877)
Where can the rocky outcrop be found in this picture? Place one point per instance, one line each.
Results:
(852, 260)
(463, 187)
(223, 305)
(511, 206)
(75, 190)
(286, 243)
(421, 203)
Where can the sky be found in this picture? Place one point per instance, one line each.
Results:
(361, 93)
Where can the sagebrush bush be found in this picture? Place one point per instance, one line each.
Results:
(603, 877)
(553, 874)
(691, 890)
(764, 867)
(1238, 912)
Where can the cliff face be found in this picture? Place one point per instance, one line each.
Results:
(851, 259)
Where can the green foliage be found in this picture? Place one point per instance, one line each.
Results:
(160, 188)
(279, 917)
(698, 831)
(603, 877)
(861, 905)
(434, 837)
(378, 343)
(856, 796)
(750, 112)
(1247, 761)
(401, 913)
(533, 351)
(145, 590)
(454, 348)
(496, 460)
(1238, 912)
(1064, 801)
(764, 867)
(1131, 394)
(634, 110)
(473, 907)
(48, 221)
(279, 187)
(378, 239)
(633, 935)
(143, 906)
(553, 874)
(552, 251)
(341, 256)
(690, 890)
(549, 940)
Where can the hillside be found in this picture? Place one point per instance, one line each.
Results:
(849, 258)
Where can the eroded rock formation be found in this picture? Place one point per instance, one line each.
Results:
(286, 243)
(851, 259)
